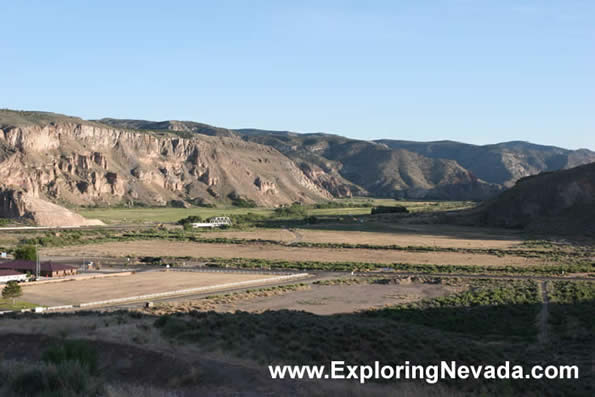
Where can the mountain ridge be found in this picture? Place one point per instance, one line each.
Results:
(329, 164)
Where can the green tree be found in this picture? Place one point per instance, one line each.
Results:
(12, 290)
(190, 219)
(27, 252)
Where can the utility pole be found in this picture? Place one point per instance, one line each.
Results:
(37, 265)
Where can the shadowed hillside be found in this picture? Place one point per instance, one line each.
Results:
(562, 201)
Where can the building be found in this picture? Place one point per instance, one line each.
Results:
(47, 269)
(11, 275)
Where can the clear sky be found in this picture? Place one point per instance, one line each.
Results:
(467, 70)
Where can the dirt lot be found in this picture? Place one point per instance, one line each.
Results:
(404, 235)
(75, 292)
(264, 251)
(332, 299)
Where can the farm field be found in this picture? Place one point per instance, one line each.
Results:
(289, 253)
(169, 214)
(76, 292)
(162, 214)
(403, 235)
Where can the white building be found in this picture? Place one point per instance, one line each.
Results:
(11, 275)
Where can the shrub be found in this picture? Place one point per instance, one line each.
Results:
(68, 379)
(311, 220)
(153, 260)
(73, 350)
(238, 201)
(190, 219)
(397, 209)
(243, 203)
(249, 217)
(26, 252)
(294, 210)
(12, 290)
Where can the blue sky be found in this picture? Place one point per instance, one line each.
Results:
(467, 70)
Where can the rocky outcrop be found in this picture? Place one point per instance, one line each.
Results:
(265, 186)
(20, 205)
(87, 163)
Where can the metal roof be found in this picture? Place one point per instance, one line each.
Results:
(21, 264)
(6, 272)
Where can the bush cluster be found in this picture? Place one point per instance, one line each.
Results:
(397, 209)
(294, 210)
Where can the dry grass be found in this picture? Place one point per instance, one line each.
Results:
(317, 299)
(270, 252)
(417, 235)
(76, 292)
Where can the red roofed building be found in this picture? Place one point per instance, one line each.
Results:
(47, 269)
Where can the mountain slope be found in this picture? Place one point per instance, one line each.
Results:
(561, 201)
(364, 166)
(74, 161)
(169, 125)
(115, 161)
(346, 167)
(502, 163)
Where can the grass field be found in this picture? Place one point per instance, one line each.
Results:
(163, 214)
(167, 214)
(6, 304)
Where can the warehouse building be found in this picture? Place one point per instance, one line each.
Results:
(47, 269)
(11, 275)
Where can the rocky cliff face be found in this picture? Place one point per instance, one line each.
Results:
(87, 163)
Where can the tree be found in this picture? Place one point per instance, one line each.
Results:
(27, 252)
(12, 290)
(190, 219)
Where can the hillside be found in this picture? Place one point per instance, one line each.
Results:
(347, 167)
(375, 169)
(69, 160)
(169, 125)
(394, 168)
(558, 202)
(502, 163)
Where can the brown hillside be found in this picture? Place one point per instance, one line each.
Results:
(88, 163)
